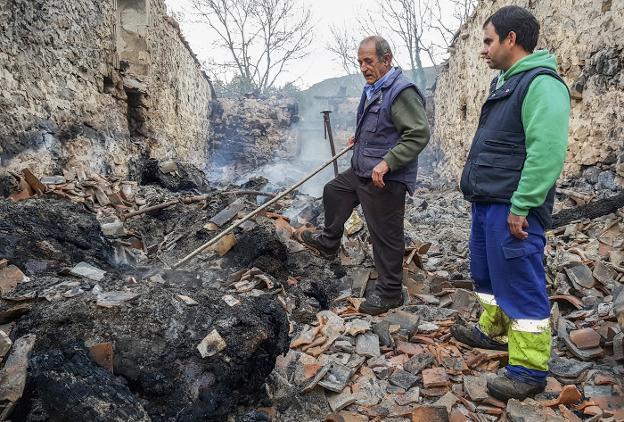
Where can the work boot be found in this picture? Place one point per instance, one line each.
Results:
(311, 240)
(473, 336)
(504, 388)
(375, 304)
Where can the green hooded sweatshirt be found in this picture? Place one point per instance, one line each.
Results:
(545, 118)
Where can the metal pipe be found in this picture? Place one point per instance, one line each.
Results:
(259, 209)
(330, 135)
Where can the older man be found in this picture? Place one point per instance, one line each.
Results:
(391, 131)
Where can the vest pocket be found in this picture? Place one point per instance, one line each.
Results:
(371, 118)
(497, 174)
(370, 158)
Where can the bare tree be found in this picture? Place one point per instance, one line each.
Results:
(447, 25)
(407, 22)
(261, 36)
(343, 45)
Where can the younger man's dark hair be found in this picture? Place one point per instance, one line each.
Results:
(518, 20)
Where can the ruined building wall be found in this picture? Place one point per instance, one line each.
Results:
(97, 83)
(587, 37)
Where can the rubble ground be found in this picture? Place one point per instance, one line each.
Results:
(258, 328)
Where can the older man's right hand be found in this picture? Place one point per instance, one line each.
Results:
(351, 141)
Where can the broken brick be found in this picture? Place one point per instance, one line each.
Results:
(435, 377)
(476, 387)
(586, 338)
(430, 414)
(409, 348)
(102, 354)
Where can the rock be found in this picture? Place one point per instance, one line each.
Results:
(447, 401)
(211, 344)
(406, 320)
(427, 327)
(52, 180)
(409, 349)
(530, 411)
(5, 344)
(10, 277)
(382, 329)
(430, 414)
(568, 368)
(115, 298)
(409, 397)
(476, 387)
(435, 377)
(337, 402)
(581, 275)
(368, 391)
(14, 312)
(419, 362)
(569, 395)
(228, 213)
(403, 379)
(102, 354)
(367, 345)
(231, 300)
(13, 374)
(76, 291)
(167, 166)
(357, 326)
(351, 417)
(344, 346)
(604, 273)
(586, 338)
(187, 300)
(223, 245)
(336, 378)
(82, 269)
(114, 229)
(359, 277)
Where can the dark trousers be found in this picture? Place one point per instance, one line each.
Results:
(383, 210)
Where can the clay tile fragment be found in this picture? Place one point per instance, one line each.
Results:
(586, 338)
(435, 377)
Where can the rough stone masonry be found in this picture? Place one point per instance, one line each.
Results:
(99, 82)
(587, 38)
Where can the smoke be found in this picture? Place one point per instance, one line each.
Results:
(310, 152)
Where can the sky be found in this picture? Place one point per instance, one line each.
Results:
(318, 65)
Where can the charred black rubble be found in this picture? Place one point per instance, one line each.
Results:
(95, 310)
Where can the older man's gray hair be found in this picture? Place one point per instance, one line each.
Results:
(382, 47)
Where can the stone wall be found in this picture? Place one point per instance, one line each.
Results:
(98, 84)
(587, 36)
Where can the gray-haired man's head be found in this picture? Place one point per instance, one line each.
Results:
(374, 57)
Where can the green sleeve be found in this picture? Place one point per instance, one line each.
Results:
(410, 120)
(545, 118)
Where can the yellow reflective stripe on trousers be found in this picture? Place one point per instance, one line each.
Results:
(530, 325)
(486, 299)
(493, 320)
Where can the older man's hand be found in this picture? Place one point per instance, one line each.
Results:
(516, 225)
(351, 141)
(378, 174)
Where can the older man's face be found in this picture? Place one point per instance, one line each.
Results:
(370, 65)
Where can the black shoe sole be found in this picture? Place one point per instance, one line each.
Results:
(466, 339)
(375, 310)
(500, 395)
(316, 251)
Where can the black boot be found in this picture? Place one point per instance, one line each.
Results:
(504, 388)
(375, 304)
(473, 336)
(311, 240)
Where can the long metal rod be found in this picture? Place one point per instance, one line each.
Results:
(259, 209)
(330, 135)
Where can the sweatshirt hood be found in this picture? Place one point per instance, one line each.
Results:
(540, 58)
